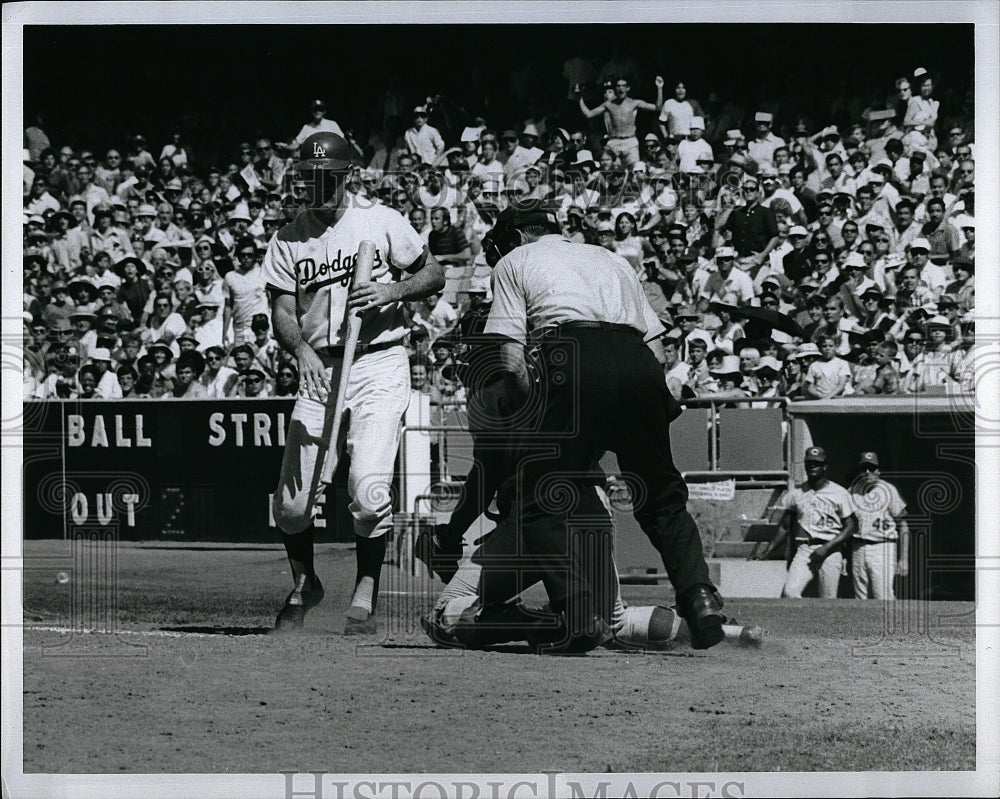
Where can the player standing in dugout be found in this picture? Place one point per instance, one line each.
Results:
(308, 267)
(602, 388)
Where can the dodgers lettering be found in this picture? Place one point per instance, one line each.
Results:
(340, 269)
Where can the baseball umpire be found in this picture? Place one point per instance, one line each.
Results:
(308, 267)
(601, 388)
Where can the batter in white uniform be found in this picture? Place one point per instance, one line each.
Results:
(308, 268)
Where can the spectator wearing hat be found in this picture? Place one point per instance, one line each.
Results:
(821, 515)
(84, 295)
(423, 139)
(106, 384)
(929, 368)
(135, 187)
(764, 142)
(854, 282)
(767, 374)
(245, 293)
(253, 384)
(108, 304)
(138, 156)
(207, 324)
(60, 306)
(794, 370)
(922, 108)
(694, 148)
(727, 285)
(145, 225)
(796, 263)
(729, 378)
(523, 155)
(188, 370)
(534, 188)
(317, 123)
(772, 191)
(933, 278)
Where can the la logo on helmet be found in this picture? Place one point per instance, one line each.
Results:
(319, 151)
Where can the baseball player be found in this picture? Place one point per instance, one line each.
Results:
(882, 529)
(600, 387)
(308, 269)
(823, 516)
(480, 606)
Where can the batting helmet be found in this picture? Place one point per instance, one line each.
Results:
(325, 150)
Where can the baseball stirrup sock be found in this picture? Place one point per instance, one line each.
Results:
(299, 548)
(370, 554)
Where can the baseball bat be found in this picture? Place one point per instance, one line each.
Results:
(362, 274)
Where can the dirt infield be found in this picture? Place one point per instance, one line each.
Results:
(188, 684)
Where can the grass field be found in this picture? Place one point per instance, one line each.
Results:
(191, 684)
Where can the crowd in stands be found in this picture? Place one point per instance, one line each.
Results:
(785, 256)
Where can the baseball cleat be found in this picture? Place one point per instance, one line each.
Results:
(307, 594)
(439, 555)
(434, 628)
(360, 622)
(704, 617)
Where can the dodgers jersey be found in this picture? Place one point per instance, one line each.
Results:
(877, 508)
(315, 262)
(821, 513)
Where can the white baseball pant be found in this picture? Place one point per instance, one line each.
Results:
(377, 396)
(873, 567)
(800, 572)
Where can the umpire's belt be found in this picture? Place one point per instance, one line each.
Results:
(360, 349)
(608, 327)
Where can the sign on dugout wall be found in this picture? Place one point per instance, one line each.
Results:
(179, 471)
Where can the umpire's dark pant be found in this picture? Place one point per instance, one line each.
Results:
(603, 389)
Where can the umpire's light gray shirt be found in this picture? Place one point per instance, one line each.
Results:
(553, 281)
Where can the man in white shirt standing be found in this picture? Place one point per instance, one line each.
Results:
(317, 124)
(422, 139)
